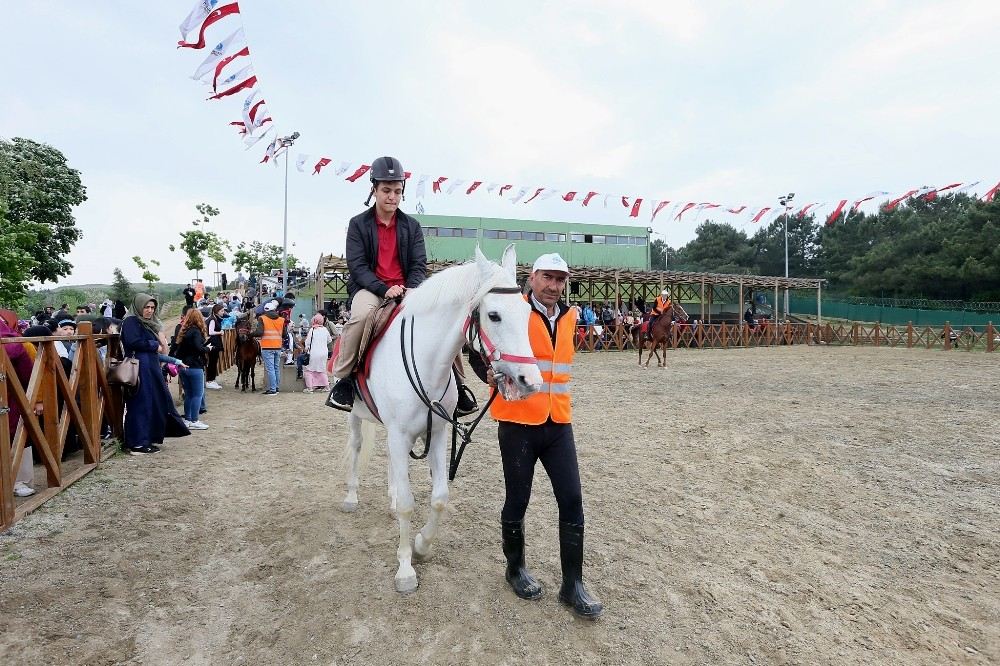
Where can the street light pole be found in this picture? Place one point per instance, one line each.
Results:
(786, 201)
(286, 142)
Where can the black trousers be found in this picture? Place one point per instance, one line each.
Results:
(552, 443)
(212, 371)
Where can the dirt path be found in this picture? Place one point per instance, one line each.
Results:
(790, 505)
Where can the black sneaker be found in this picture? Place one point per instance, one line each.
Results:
(269, 393)
(342, 395)
(141, 450)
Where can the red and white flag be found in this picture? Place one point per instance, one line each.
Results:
(323, 161)
(535, 195)
(245, 51)
(836, 213)
(212, 17)
(254, 111)
(763, 211)
(218, 53)
(635, 207)
(569, 196)
(246, 80)
(360, 171)
(657, 208)
(590, 195)
(688, 206)
(249, 141)
(269, 153)
(503, 189)
(475, 185)
(964, 188)
(201, 10)
(991, 193)
(736, 211)
(867, 197)
(805, 209)
(932, 195)
(894, 203)
(240, 126)
(436, 185)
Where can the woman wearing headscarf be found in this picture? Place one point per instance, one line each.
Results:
(316, 345)
(150, 414)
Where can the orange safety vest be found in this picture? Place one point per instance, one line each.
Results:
(272, 332)
(556, 364)
(662, 305)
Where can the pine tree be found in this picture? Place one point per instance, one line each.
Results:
(121, 288)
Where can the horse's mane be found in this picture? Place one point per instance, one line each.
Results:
(462, 284)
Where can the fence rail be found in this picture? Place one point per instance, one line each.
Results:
(52, 403)
(725, 336)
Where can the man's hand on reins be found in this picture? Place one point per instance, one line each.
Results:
(395, 291)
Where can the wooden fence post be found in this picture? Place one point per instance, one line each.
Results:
(6, 464)
(87, 389)
(878, 331)
(725, 336)
(909, 335)
(990, 337)
(854, 334)
(947, 336)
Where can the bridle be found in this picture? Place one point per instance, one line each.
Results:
(473, 331)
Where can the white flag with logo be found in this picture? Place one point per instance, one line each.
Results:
(300, 162)
(227, 46)
(236, 78)
(197, 16)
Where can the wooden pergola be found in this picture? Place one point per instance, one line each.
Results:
(620, 285)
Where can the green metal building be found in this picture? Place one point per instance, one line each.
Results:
(600, 245)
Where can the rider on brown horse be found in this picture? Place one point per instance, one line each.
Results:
(662, 305)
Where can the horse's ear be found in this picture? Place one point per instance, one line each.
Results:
(509, 261)
(479, 256)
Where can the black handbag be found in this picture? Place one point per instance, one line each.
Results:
(304, 357)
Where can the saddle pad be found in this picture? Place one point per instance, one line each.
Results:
(377, 323)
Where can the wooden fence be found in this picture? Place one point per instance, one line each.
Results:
(51, 403)
(725, 336)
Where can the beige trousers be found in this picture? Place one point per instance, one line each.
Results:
(362, 306)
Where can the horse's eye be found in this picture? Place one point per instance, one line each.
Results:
(494, 316)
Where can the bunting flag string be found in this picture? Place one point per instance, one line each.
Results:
(257, 123)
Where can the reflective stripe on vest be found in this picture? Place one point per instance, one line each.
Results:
(272, 332)
(556, 365)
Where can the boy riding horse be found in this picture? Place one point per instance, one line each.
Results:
(385, 257)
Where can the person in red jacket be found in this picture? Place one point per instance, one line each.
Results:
(540, 427)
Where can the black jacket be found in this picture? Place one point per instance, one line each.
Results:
(191, 348)
(362, 252)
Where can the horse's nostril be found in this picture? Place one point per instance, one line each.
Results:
(523, 380)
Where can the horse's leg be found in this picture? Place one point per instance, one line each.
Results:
(439, 492)
(353, 461)
(640, 345)
(651, 351)
(253, 379)
(399, 451)
(664, 364)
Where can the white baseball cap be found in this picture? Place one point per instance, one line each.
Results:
(550, 262)
(270, 306)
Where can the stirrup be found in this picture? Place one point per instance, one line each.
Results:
(343, 405)
(465, 392)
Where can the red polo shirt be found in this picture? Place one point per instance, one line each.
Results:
(387, 266)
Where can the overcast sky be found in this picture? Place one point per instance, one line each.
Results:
(726, 102)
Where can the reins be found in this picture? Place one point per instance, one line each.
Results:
(473, 332)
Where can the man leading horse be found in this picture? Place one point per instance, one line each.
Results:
(385, 257)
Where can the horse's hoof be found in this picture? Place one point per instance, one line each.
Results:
(349, 507)
(406, 584)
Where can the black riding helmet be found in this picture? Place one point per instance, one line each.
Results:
(386, 169)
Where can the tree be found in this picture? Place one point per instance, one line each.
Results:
(196, 243)
(37, 194)
(660, 254)
(769, 246)
(147, 273)
(121, 288)
(259, 258)
(717, 248)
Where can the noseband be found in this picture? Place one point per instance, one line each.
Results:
(473, 330)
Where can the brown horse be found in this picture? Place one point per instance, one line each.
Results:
(659, 334)
(247, 352)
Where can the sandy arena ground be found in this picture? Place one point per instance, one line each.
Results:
(768, 506)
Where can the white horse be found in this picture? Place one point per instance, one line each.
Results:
(432, 327)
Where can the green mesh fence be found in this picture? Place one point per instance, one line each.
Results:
(892, 315)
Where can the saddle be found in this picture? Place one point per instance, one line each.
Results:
(378, 324)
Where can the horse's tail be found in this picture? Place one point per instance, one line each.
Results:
(368, 431)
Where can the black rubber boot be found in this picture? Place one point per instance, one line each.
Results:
(466, 400)
(573, 592)
(342, 395)
(521, 581)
